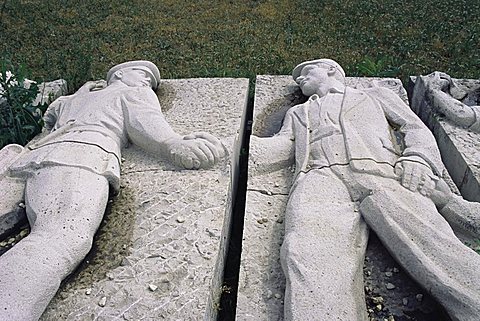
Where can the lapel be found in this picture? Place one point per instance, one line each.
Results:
(351, 99)
(302, 114)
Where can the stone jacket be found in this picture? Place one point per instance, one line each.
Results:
(89, 129)
(368, 119)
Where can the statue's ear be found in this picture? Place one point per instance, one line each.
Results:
(118, 74)
(331, 71)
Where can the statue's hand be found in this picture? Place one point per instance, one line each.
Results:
(440, 81)
(415, 176)
(92, 86)
(440, 193)
(197, 150)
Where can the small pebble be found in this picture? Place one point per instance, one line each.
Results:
(388, 273)
(103, 301)
(88, 291)
(378, 307)
(269, 294)
(278, 295)
(11, 240)
(180, 219)
(405, 301)
(110, 276)
(152, 287)
(3, 244)
(175, 294)
(276, 184)
(269, 193)
(377, 300)
(390, 286)
(395, 270)
(419, 297)
(264, 220)
(21, 205)
(279, 220)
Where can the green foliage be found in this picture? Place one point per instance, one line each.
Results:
(80, 40)
(475, 245)
(383, 67)
(20, 120)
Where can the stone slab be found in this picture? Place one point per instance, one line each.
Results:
(160, 251)
(262, 283)
(459, 147)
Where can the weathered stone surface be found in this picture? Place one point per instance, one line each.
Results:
(12, 215)
(261, 279)
(460, 147)
(262, 283)
(166, 228)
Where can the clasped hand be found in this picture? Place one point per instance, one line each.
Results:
(415, 176)
(197, 150)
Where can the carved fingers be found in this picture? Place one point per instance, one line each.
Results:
(197, 150)
(92, 86)
(439, 80)
(415, 176)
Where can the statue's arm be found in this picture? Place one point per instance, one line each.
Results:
(453, 109)
(51, 114)
(268, 154)
(438, 85)
(420, 145)
(147, 128)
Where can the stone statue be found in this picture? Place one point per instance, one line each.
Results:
(448, 99)
(67, 175)
(363, 158)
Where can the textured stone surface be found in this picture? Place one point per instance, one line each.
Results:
(261, 279)
(12, 215)
(159, 254)
(460, 147)
(262, 283)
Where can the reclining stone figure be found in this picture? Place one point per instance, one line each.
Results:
(451, 101)
(67, 176)
(351, 173)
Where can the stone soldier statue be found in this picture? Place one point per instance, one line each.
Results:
(448, 99)
(350, 172)
(68, 174)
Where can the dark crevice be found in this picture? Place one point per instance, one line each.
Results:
(228, 299)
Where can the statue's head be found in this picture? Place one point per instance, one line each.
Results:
(318, 76)
(135, 73)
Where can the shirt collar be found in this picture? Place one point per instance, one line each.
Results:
(332, 90)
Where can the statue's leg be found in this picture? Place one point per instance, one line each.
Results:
(65, 206)
(323, 252)
(420, 239)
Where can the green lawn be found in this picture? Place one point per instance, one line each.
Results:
(80, 40)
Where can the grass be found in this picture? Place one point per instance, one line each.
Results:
(80, 40)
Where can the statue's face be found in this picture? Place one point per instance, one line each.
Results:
(314, 79)
(136, 78)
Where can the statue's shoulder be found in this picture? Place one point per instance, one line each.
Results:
(299, 107)
(378, 92)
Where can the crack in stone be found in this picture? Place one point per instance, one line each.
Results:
(269, 193)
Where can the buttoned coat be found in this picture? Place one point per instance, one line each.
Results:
(379, 130)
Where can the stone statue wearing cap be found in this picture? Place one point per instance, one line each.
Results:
(351, 173)
(68, 174)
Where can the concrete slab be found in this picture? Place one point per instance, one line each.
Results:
(160, 252)
(459, 147)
